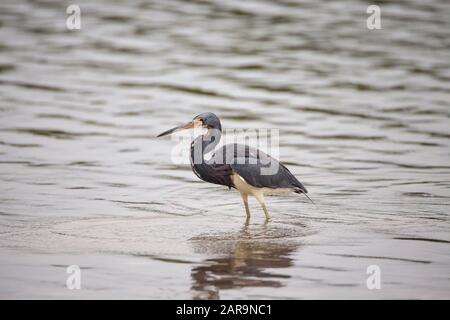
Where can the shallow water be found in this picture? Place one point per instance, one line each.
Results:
(364, 123)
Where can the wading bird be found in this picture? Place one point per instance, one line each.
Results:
(248, 170)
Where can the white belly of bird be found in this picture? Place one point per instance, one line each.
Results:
(244, 188)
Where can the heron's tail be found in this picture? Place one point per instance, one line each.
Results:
(300, 191)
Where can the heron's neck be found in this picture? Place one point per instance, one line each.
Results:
(203, 145)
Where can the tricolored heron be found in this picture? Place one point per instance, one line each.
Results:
(235, 165)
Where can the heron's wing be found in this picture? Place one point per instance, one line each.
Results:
(229, 152)
(255, 175)
(258, 168)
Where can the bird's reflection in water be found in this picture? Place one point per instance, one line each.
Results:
(242, 260)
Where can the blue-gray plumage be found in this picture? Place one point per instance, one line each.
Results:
(235, 165)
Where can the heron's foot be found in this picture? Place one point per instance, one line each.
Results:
(265, 225)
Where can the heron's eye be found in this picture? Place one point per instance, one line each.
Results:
(198, 121)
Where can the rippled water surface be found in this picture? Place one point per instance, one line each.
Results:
(364, 121)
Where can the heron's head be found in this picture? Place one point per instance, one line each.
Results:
(206, 120)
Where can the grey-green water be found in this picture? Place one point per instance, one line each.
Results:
(364, 121)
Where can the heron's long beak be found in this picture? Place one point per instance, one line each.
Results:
(189, 125)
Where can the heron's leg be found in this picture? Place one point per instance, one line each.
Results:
(247, 209)
(263, 205)
(260, 198)
(244, 230)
